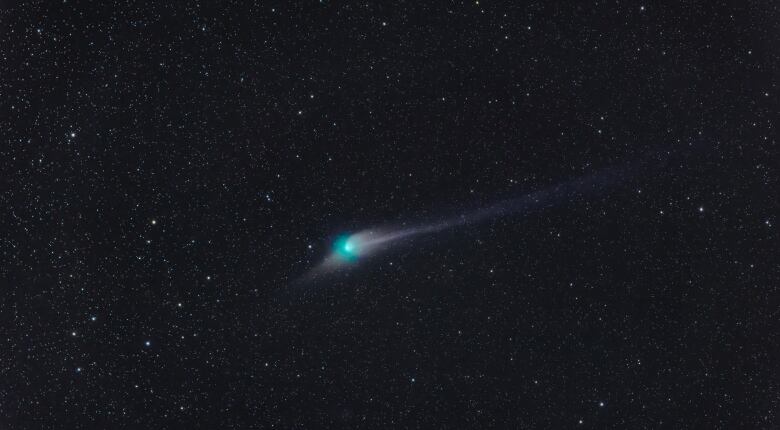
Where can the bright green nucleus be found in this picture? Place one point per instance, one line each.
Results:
(346, 248)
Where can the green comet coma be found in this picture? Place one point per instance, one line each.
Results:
(345, 248)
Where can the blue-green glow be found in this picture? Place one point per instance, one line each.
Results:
(346, 248)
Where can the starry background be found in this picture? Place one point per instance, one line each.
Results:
(170, 170)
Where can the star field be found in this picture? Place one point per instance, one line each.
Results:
(171, 169)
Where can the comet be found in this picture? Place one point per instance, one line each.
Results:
(350, 249)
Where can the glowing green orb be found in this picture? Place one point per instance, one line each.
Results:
(346, 248)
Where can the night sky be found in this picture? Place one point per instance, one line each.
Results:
(172, 172)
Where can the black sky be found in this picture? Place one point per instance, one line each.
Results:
(170, 169)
